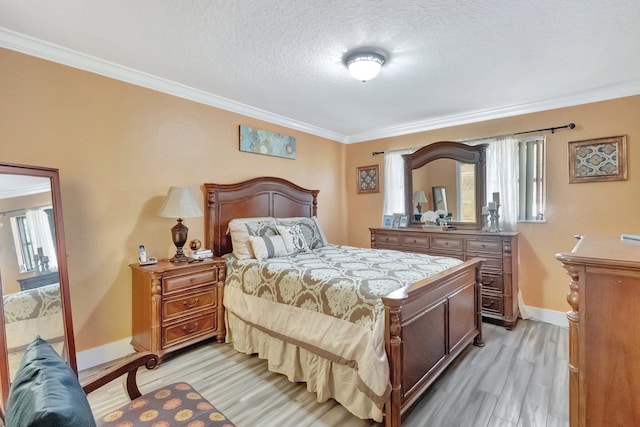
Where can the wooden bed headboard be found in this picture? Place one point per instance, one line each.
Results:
(265, 196)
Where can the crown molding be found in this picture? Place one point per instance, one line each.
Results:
(51, 52)
(55, 53)
(600, 94)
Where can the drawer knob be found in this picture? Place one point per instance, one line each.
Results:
(487, 304)
(187, 330)
(188, 304)
(446, 243)
(486, 282)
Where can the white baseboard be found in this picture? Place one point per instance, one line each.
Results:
(558, 318)
(105, 353)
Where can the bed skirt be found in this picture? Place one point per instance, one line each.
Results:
(323, 377)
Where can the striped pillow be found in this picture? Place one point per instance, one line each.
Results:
(268, 247)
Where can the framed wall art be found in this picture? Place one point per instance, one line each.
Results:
(266, 142)
(368, 179)
(602, 159)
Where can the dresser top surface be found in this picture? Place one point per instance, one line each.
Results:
(598, 249)
(448, 232)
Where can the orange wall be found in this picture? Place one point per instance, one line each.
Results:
(119, 147)
(587, 208)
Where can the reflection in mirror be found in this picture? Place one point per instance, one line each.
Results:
(455, 172)
(28, 265)
(439, 198)
(33, 275)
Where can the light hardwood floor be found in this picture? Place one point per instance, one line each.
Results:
(518, 379)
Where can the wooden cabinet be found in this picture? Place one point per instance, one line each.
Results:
(175, 305)
(499, 271)
(604, 342)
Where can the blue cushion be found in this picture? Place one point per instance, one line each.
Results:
(46, 391)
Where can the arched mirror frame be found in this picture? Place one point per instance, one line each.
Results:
(69, 342)
(475, 154)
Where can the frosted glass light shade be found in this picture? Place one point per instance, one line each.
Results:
(180, 203)
(364, 66)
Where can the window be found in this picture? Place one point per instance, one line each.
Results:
(531, 189)
(23, 244)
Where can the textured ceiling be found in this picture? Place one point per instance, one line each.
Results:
(449, 62)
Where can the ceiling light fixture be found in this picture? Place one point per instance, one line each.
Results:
(364, 66)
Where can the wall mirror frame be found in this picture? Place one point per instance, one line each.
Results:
(472, 154)
(50, 310)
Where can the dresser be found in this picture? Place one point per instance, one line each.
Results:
(604, 337)
(39, 280)
(176, 305)
(499, 271)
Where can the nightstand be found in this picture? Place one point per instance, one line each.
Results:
(176, 305)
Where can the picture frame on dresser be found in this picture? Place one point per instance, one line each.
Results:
(387, 221)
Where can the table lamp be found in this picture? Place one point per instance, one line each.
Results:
(419, 197)
(180, 203)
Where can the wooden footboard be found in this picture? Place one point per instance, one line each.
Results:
(428, 324)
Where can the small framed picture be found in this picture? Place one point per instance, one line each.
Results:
(602, 159)
(396, 220)
(368, 179)
(387, 221)
(404, 221)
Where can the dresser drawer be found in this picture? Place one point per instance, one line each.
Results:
(450, 243)
(490, 265)
(421, 242)
(484, 246)
(189, 280)
(386, 239)
(492, 304)
(492, 282)
(185, 304)
(188, 329)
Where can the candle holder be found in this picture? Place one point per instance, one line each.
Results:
(495, 218)
(485, 222)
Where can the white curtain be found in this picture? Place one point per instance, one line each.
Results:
(41, 237)
(502, 177)
(394, 182)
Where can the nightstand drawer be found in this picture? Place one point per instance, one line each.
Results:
(484, 246)
(446, 243)
(188, 329)
(192, 302)
(492, 304)
(194, 278)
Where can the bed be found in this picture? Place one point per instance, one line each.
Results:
(423, 326)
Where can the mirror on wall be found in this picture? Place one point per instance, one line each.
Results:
(455, 174)
(33, 271)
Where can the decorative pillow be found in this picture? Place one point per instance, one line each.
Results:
(310, 229)
(240, 230)
(293, 238)
(268, 247)
(46, 391)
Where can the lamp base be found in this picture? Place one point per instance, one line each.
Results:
(177, 259)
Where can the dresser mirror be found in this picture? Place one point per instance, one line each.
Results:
(34, 282)
(454, 174)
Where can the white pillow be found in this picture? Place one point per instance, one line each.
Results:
(310, 229)
(240, 230)
(268, 247)
(293, 238)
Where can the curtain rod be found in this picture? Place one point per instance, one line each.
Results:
(552, 129)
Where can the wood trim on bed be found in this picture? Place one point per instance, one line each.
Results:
(258, 197)
(427, 324)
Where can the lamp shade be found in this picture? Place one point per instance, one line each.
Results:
(419, 196)
(180, 203)
(364, 66)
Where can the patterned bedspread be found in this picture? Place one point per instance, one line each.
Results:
(340, 281)
(327, 301)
